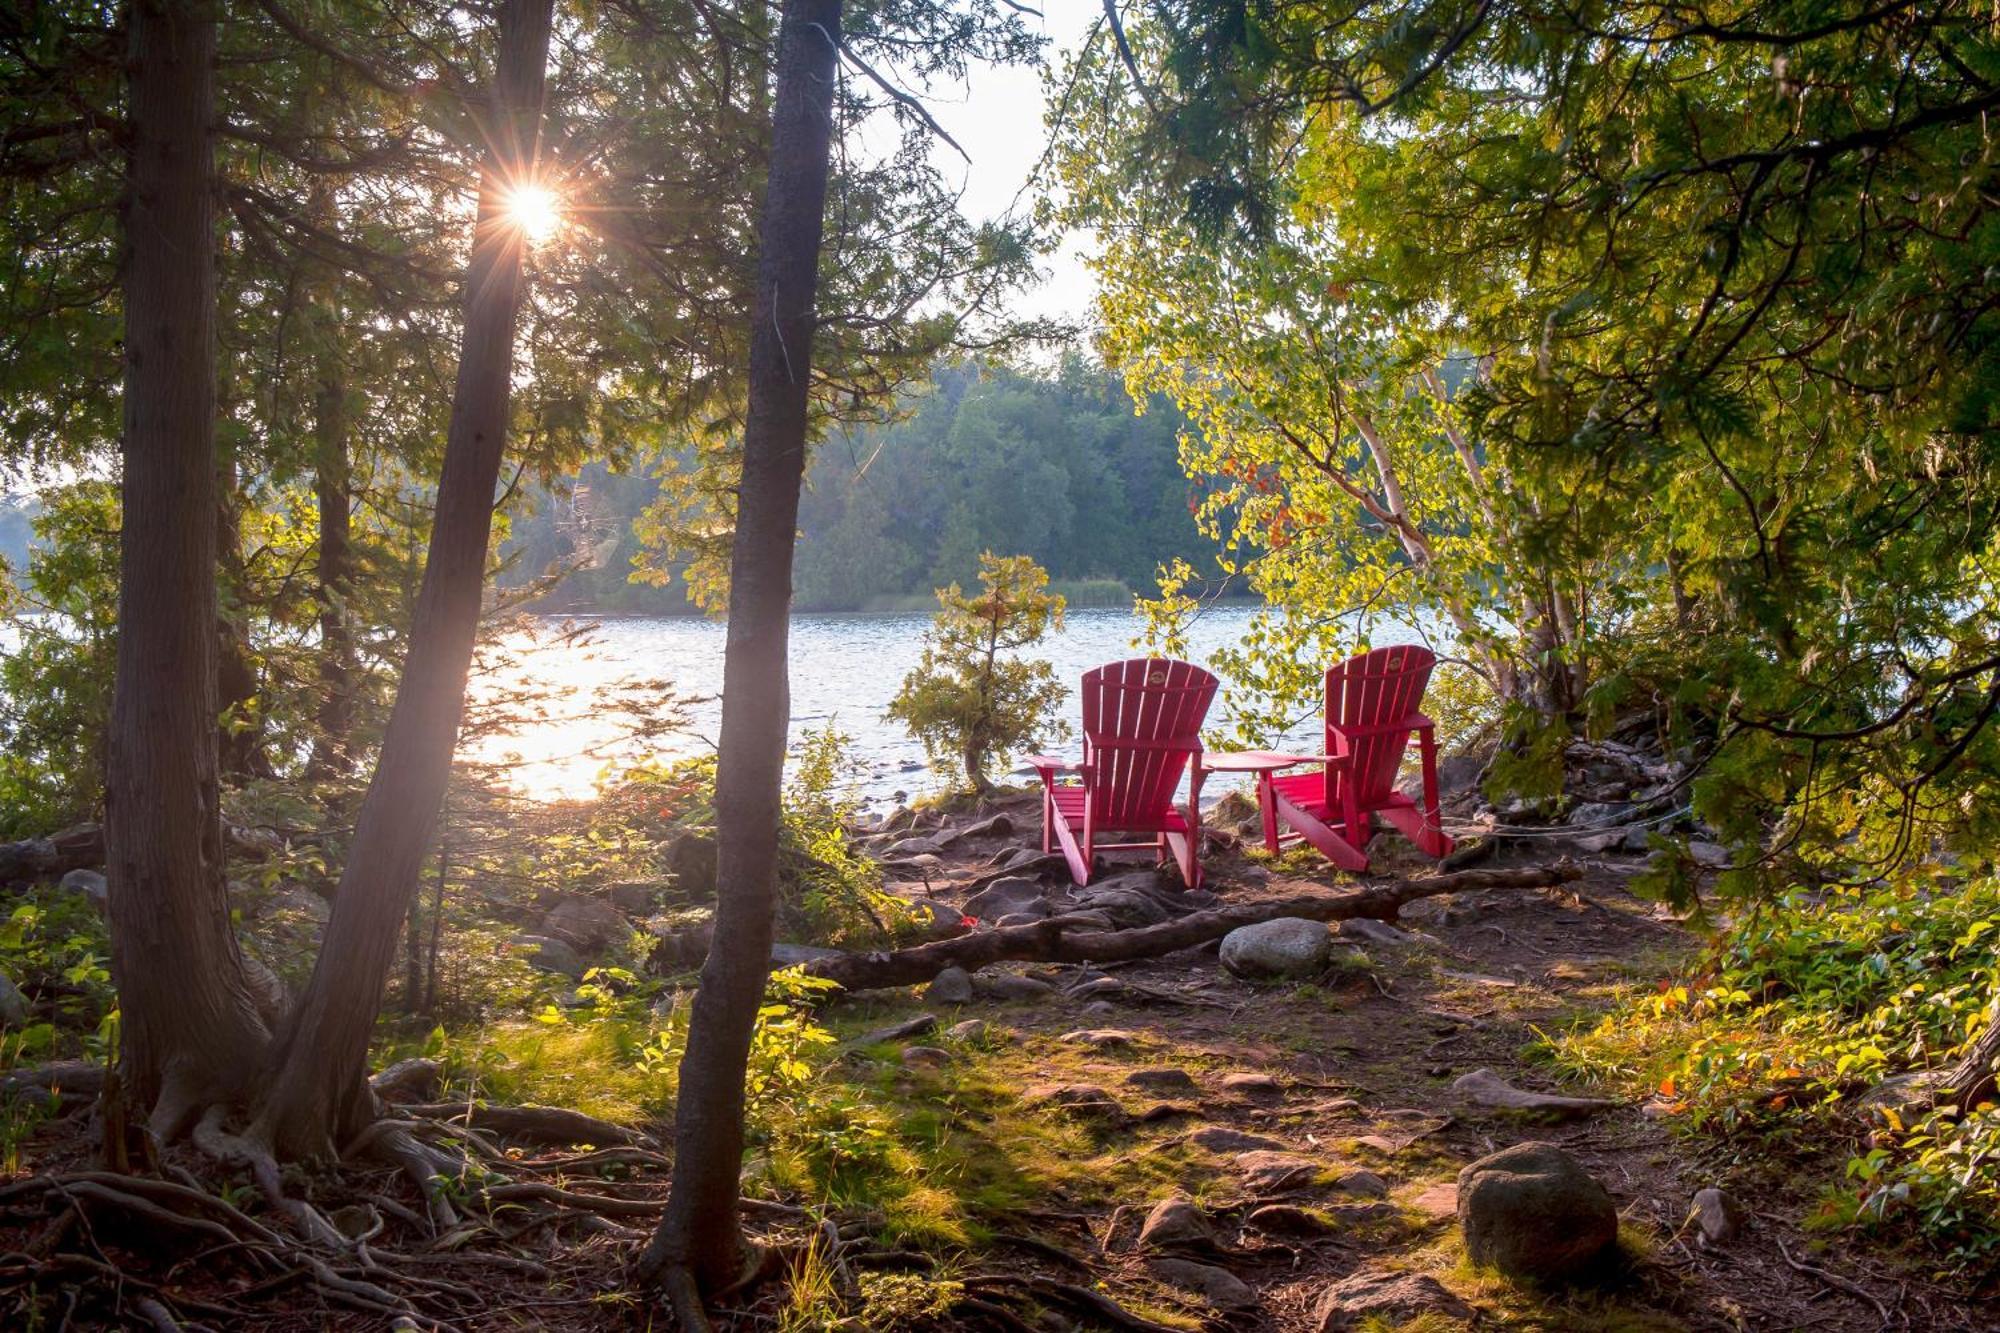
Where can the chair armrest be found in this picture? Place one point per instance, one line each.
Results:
(1048, 763)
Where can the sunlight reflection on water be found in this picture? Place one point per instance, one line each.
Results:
(845, 669)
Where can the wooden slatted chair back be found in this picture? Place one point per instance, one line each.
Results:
(1369, 700)
(1141, 725)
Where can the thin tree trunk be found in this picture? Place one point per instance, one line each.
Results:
(332, 491)
(321, 1094)
(700, 1239)
(190, 1030)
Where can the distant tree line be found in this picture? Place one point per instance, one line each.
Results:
(1054, 465)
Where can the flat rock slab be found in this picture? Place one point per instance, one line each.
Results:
(1285, 1219)
(1102, 1038)
(1391, 1298)
(1221, 1138)
(1483, 1087)
(1437, 1201)
(1252, 1085)
(1084, 1100)
(1217, 1286)
(1164, 1079)
(1268, 1172)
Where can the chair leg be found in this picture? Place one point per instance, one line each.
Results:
(1267, 806)
(1048, 817)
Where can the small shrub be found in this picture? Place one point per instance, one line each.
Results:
(971, 701)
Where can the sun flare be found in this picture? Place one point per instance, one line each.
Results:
(536, 210)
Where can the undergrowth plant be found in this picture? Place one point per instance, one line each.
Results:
(1816, 997)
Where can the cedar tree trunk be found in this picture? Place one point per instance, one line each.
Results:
(190, 1031)
(700, 1237)
(331, 491)
(320, 1095)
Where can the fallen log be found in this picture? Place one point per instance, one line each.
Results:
(1063, 939)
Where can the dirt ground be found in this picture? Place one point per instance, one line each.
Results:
(1355, 1071)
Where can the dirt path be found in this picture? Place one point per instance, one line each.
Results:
(1333, 1101)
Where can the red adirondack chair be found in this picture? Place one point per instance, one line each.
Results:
(1372, 715)
(1141, 731)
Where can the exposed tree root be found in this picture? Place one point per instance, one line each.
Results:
(1065, 939)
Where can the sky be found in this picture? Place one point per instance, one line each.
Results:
(997, 117)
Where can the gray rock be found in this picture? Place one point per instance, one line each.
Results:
(993, 826)
(1101, 1038)
(1371, 931)
(1266, 1171)
(14, 1010)
(1285, 1219)
(588, 925)
(951, 986)
(972, 1031)
(1218, 1286)
(1164, 1079)
(91, 884)
(1711, 854)
(1287, 947)
(926, 1057)
(1385, 1298)
(1128, 907)
(690, 860)
(1251, 1084)
(1006, 897)
(1086, 1101)
(938, 921)
(298, 900)
(635, 896)
(1010, 986)
(1486, 1088)
(1718, 1215)
(1176, 1224)
(1020, 919)
(550, 955)
(791, 955)
(1532, 1211)
(911, 847)
(1591, 816)
(1364, 1183)
(1221, 1138)
(1459, 772)
(1098, 1009)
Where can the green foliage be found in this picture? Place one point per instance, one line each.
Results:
(58, 645)
(1819, 995)
(53, 944)
(971, 699)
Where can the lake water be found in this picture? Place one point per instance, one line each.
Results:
(844, 671)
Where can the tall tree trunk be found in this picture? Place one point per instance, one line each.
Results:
(700, 1240)
(332, 491)
(320, 1094)
(189, 1029)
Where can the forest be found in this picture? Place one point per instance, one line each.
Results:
(1056, 466)
(1565, 898)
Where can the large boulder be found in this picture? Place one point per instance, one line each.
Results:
(690, 860)
(548, 954)
(14, 1008)
(1287, 947)
(589, 925)
(90, 884)
(1532, 1211)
